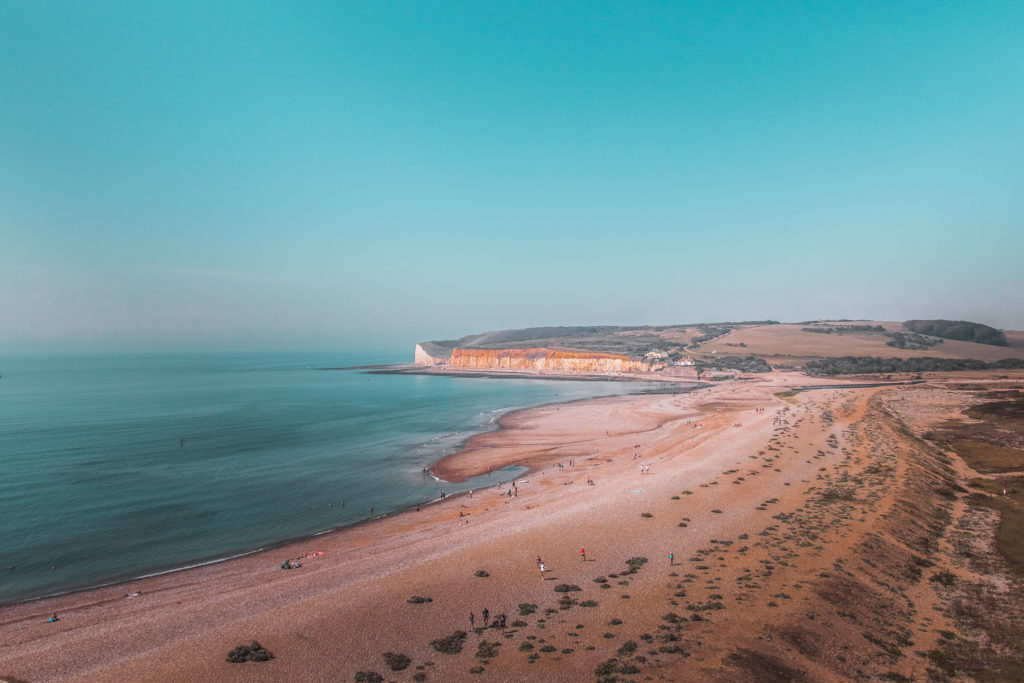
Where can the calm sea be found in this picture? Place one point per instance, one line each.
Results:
(115, 467)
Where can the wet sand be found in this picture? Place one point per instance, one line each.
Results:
(798, 524)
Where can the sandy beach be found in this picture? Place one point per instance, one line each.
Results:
(805, 530)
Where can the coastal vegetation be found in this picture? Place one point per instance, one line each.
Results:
(864, 365)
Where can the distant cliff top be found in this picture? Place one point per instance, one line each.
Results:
(633, 342)
(781, 344)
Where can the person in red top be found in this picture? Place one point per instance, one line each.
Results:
(583, 553)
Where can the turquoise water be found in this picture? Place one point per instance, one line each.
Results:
(116, 467)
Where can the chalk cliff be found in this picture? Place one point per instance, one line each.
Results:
(423, 357)
(544, 360)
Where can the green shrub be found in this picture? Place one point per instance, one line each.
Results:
(450, 645)
(249, 653)
(526, 608)
(958, 329)
(396, 662)
(486, 650)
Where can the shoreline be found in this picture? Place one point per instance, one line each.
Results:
(494, 427)
(437, 371)
(101, 593)
(749, 467)
(508, 420)
(200, 563)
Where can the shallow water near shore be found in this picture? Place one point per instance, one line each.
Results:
(114, 467)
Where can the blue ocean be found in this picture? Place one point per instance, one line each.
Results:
(116, 467)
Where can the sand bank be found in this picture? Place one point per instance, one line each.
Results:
(797, 525)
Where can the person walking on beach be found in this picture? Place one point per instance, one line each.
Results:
(542, 570)
(583, 553)
(671, 559)
(471, 620)
(487, 616)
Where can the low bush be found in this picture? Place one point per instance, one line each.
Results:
(450, 645)
(486, 650)
(608, 670)
(249, 653)
(396, 662)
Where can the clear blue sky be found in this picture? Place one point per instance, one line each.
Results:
(306, 175)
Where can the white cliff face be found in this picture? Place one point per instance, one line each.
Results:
(421, 357)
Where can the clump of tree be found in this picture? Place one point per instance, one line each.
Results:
(911, 340)
(743, 364)
(863, 365)
(830, 320)
(710, 332)
(844, 329)
(961, 330)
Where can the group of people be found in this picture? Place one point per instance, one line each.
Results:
(499, 621)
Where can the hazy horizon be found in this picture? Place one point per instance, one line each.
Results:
(320, 175)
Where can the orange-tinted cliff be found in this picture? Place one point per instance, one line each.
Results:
(544, 360)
